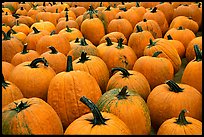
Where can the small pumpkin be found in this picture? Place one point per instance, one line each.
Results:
(181, 125)
(97, 123)
(21, 11)
(44, 25)
(20, 27)
(8, 19)
(21, 117)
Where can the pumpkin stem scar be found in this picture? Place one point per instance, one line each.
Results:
(181, 120)
(173, 86)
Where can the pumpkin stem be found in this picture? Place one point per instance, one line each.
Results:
(21, 8)
(151, 43)
(137, 4)
(198, 53)
(180, 28)
(6, 35)
(98, 118)
(156, 53)
(123, 94)
(199, 5)
(66, 16)
(20, 106)
(181, 120)
(53, 50)
(4, 83)
(15, 15)
(34, 63)
(123, 9)
(57, 10)
(169, 37)
(83, 42)
(109, 42)
(120, 43)
(13, 31)
(76, 40)
(24, 51)
(36, 31)
(154, 10)
(145, 20)
(69, 64)
(68, 29)
(108, 8)
(53, 32)
(125, 73)
(173, 86)
(66, 9)
(139, 28)
(17, 23)
(83, 58)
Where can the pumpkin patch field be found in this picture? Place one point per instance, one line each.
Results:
(102, 68)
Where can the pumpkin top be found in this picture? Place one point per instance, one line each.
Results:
(20, 106)
(109, 42)
(7, 36)
(25, 51)
(53, 50)
(156, 53)
(123, 93)
(83, 58)
(120, 43)
(181, 120)
(34, 63)
(125, 73)
(173, 86)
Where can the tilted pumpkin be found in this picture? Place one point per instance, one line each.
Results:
(97, 123)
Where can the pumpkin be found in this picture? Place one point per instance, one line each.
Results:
(20, 27)
(119, 55)
(33, 12)
(89, 27)
(185, 22)
(135, 81)
(177, 4)
(97, 123)
(8, 19)
(150, 25)
(190, 53)
(5, 28)
(192, 74)
(114, 37)
(159, 17)
(10, 92)
(129, 106)
(181, 125)
(33, 78)
(139, 10)
(82, 45)
(55, 40)
(168, 51)
(94, 66)
(24, 55)
(78, 10)
(33, 37)
(138, 40)
(166, 101)
(178, 45)
(148, 4)
(4, 10)
(178, 33)
(57, 60)
(70, 13)
(19, 35)
(71, 33)
(66, 88)
(25, 5)
(156, 69)
(6, 69)
(21, 11)
(44, 25)
(21, 117)
(25, 20)
(120, 25)
(10, 46)
(13, 6)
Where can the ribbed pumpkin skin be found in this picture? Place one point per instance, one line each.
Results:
(133, 110)
(37, 119)
(96, 67)
(65, 90)
(10, 93)
(168, 51)
(165, 104)
(171, 128)
(136, 82)
(6, 69)
(114, 126)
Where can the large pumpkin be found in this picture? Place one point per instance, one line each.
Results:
(129, 106)
(181, 125)
(33, 78)
(66, 88)
(167, 100)
(30, 116)
(97, 123)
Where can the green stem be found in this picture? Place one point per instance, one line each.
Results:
(68, 29)
(83, 58)
(36, 31)
(25, 51)
(151, 43)
(169, 37)
(109, 42)
(139, 28)
(180, 28)
(123, 94)
(13, 31)
(98, 118)
(57, 10)
(52, 33)
(34, 63)
(125, 72)
(66, 16)
(7, 35)
(76, 40)
(83, 42)
(156, 53)
(20, 106)
(69, 64)
(181, 120)
(4, 83)
(120, 43)
(197, 53)
(137, 4)
(173, 86)
(53, 50)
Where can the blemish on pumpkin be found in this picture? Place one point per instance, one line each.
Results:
(124, 60)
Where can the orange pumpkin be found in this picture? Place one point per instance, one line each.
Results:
(8, 19)
(20, 27)
(66, 88)
(44, 25)
(78, 10)
(6, 69)
(19, 35)
(167, 100)
(21, 117)
(114, 37)
(21, 11)
(127, 104)
(181, 126)
(33, 78)
(10, 92)
(192, 74)
(97, 123)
